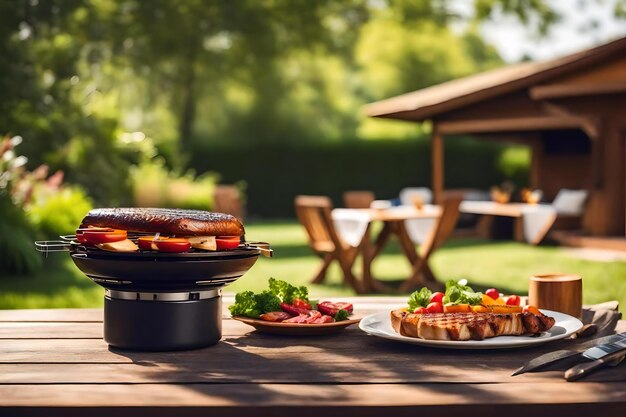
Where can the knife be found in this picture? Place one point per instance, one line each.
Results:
(552, 357)
(601, 355)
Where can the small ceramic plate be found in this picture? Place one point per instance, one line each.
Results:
(379, 324)
(295, 329)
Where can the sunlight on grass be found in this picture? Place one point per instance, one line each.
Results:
(505, 265)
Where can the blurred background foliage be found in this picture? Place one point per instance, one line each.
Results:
(153, 102)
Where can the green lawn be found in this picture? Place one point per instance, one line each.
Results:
(503, 264)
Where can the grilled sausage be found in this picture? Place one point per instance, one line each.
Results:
(167, 221)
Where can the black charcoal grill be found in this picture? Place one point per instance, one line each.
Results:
(161, 301)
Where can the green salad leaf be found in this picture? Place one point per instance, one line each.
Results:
(420, 298)
(461, 293)
(253, 305)
(342, 315)
(287, 292)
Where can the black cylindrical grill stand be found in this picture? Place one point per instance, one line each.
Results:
(162, 321)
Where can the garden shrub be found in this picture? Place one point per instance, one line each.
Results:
(155, 186)
(60, 212)
(17, 247)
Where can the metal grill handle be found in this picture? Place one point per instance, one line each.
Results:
(47, 246)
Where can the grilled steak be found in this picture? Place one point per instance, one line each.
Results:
(467, 326)
(167, 221)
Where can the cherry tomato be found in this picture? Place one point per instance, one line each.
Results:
(513, 300)
(227, 242)
(437, 297)
(493, 293)
(293, 310)
(146, 243)
(275, 316)
(299, 303)
(172, 244)
(95, 237)
(323, 319)
(435, 308)
(532, 310)
(330, 308)
(421, 310)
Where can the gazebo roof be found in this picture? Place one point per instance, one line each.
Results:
(432, 101)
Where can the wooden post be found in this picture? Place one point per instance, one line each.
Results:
(437, 164)
(535, 164)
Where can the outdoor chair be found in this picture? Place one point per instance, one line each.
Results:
(440, 233)
(570, 208)
(315, 215)
(358, 199)
(226, 199)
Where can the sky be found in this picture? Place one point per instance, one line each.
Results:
(584, 24)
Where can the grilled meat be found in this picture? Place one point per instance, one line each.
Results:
(166, 221)
(467, 326)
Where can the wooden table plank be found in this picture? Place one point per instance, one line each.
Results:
(314, 400)
(269, 359)
(72, 315)
(277, 369)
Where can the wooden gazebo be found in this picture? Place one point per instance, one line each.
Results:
(571, 111)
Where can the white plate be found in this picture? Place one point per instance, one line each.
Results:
(379, 324)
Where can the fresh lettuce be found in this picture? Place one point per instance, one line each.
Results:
(458, 292)
(287, 292)
(253, 305)
(420, 298)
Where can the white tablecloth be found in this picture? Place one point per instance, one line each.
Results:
(351, 224)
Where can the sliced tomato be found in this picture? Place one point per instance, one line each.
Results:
(293, 310)
(97, 236)
(323, 319)
(298, 302)
(301, 318)
(172, 244)
(421, 310)
(146, 243)
(275, 316)
(80, 232)
(227, 242)
(330, 308)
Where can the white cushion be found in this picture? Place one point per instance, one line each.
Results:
(570, 202)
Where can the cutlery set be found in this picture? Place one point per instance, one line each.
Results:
(605, 351)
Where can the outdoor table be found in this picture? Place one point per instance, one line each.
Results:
(55, 362)
(393, 220)
(531, 221)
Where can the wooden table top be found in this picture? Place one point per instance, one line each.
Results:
(399, 213)
(492, 208)
(55, 362)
